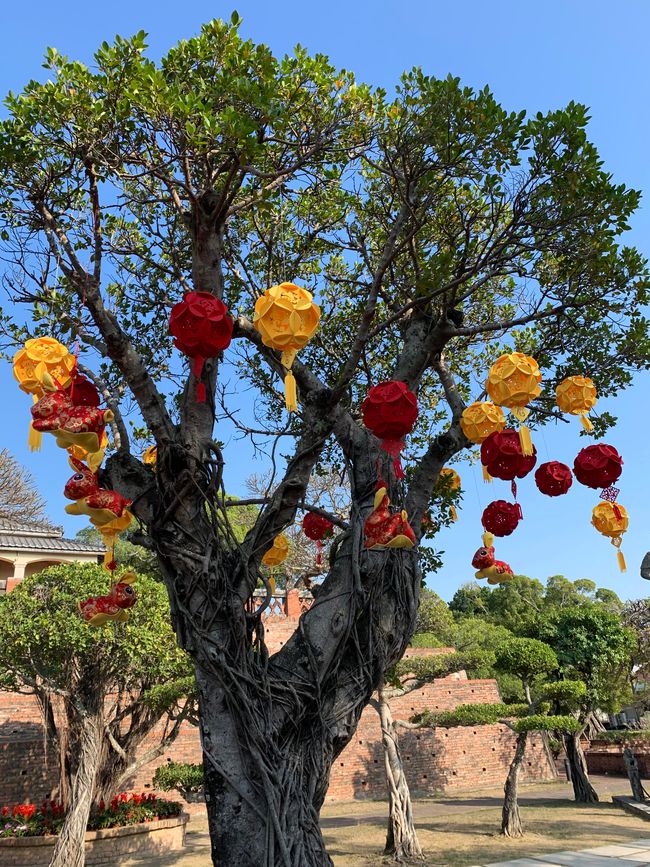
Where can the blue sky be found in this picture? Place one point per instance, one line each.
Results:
(534, 56)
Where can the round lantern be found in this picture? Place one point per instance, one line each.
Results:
(390, 411)
(577, 395)
(553, 478)
(503, 458)
(278, 552)
(480, 419)
(201, 328)
(598, 466)
(450, 478)
(317, 527)
(82, 392)
(611, 519)
(501, 518)
(286, 318)
(513, 381)
(42, 364)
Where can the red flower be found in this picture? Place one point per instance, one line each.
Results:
(124, 797)
(5, 811)
(102, 804)
(503, 458)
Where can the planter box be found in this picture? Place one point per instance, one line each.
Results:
(107, 847)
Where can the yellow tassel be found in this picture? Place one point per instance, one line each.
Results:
(487, 478)
(288, 357)
(488, 539)
(525, 441)
(34, 439)
(621, 561)
(290, 397)
(586, 422)
(453, 513)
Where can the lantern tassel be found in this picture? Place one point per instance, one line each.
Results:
(34, 437)
(586, 422)
(525, 441)
(487, 478)
(290, 394)
(453, 513)
(319, 556)
(621, 561)
(197, 370)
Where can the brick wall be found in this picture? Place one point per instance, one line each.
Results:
(435, 761)
(604, 757)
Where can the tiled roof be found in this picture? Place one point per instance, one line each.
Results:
(13, 541)
(30, 528)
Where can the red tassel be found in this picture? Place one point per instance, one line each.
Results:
(513, 488)
(197, 370)
(201, 393)
(617, 512)
(319, 556)
(521, 514)
(394, 447)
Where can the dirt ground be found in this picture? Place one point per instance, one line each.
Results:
(456, 831)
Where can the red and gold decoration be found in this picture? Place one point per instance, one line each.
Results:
(150, 457)
(102, 506)
(390, 411)
(278, 552)
(501, 518)
(553, 478)
(201, 328)
(611, 519)
(384, 529)
(450, 479)
(496, 571)
(100, 610)
(71, 425)
(513, 381)
(480, 419)
(286, 318)
(577, 395)
(317, 528)
(598, 466)
(503, 457)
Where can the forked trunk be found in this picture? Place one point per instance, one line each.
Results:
(402, 843)
(510, 817)
(583, 791)
(69, 850)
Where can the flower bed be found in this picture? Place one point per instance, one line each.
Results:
(130, 824)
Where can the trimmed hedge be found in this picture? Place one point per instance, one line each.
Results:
(471, 715)
(182, 776)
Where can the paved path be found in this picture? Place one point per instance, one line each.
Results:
(635, 854)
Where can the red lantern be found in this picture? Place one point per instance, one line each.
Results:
(82, 392)
(501, 518)
(390, 411)
(503, 458)
(598, 466)
(317, 527)
(201, 328)
(553, 478)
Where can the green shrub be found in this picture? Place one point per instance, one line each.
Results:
(182, 776)
(471, 715)
(621, 736)
(542, 723)
(425, 639)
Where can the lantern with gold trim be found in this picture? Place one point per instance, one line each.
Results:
(480, 419)
(390, 411)
(577, 395)
(513, 381)
(286, 318)
(450, 481)
(278, 552)
(611, 519)
(150, 457)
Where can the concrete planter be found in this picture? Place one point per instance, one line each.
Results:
(105, 847)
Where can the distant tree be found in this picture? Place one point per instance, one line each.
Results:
(470, 600)
(19, 497)
(434, 616)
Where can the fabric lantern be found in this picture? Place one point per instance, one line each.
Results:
(201, 328)
(577, 395)
(611, 519)
(450, 478)
(150, 456)
(286, 318)
(553, 478)
(598, 466)
(503, 458)
(496, 571)
(513, 381)
(82, 392)
(384, 529)
(93, 459)
(278, 552)
(109, 533)
(390, 411)
(317, 527)
(480, 419)
(501, 518)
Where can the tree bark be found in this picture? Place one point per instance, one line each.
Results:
(402, 843)
(583, 791)
(69, 850)
(511, 825)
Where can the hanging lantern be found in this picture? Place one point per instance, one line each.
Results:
(383, 529)
(92, 459)
(102, 506)
(150, 456)
(390, 411)
(496, 571)
(503, 458)
(501, 518)
(286, 319)
(577, 395)
(450, 479)
(317, 527)
(82, 392)
(513, 381)
(109, 533)
(598, 466)
(42, 364)
(553, 478)
(71, 425)
(480, 419)
(611, 519)
(201, 328)
(100, 610)
(278, 552)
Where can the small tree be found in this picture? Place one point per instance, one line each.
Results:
(101, 691)
(19, 497)
(527, 659)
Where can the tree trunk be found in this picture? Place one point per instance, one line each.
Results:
(402, 843)
(69, 850)
(583, 791)
(510, 817)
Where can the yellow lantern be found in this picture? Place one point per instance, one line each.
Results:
(611, 519)
(286, 318)
(278, 552)
(577, 395)
(481, 419)
(513, 381)
(451, 479)
(92, 459)
(150, 456)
